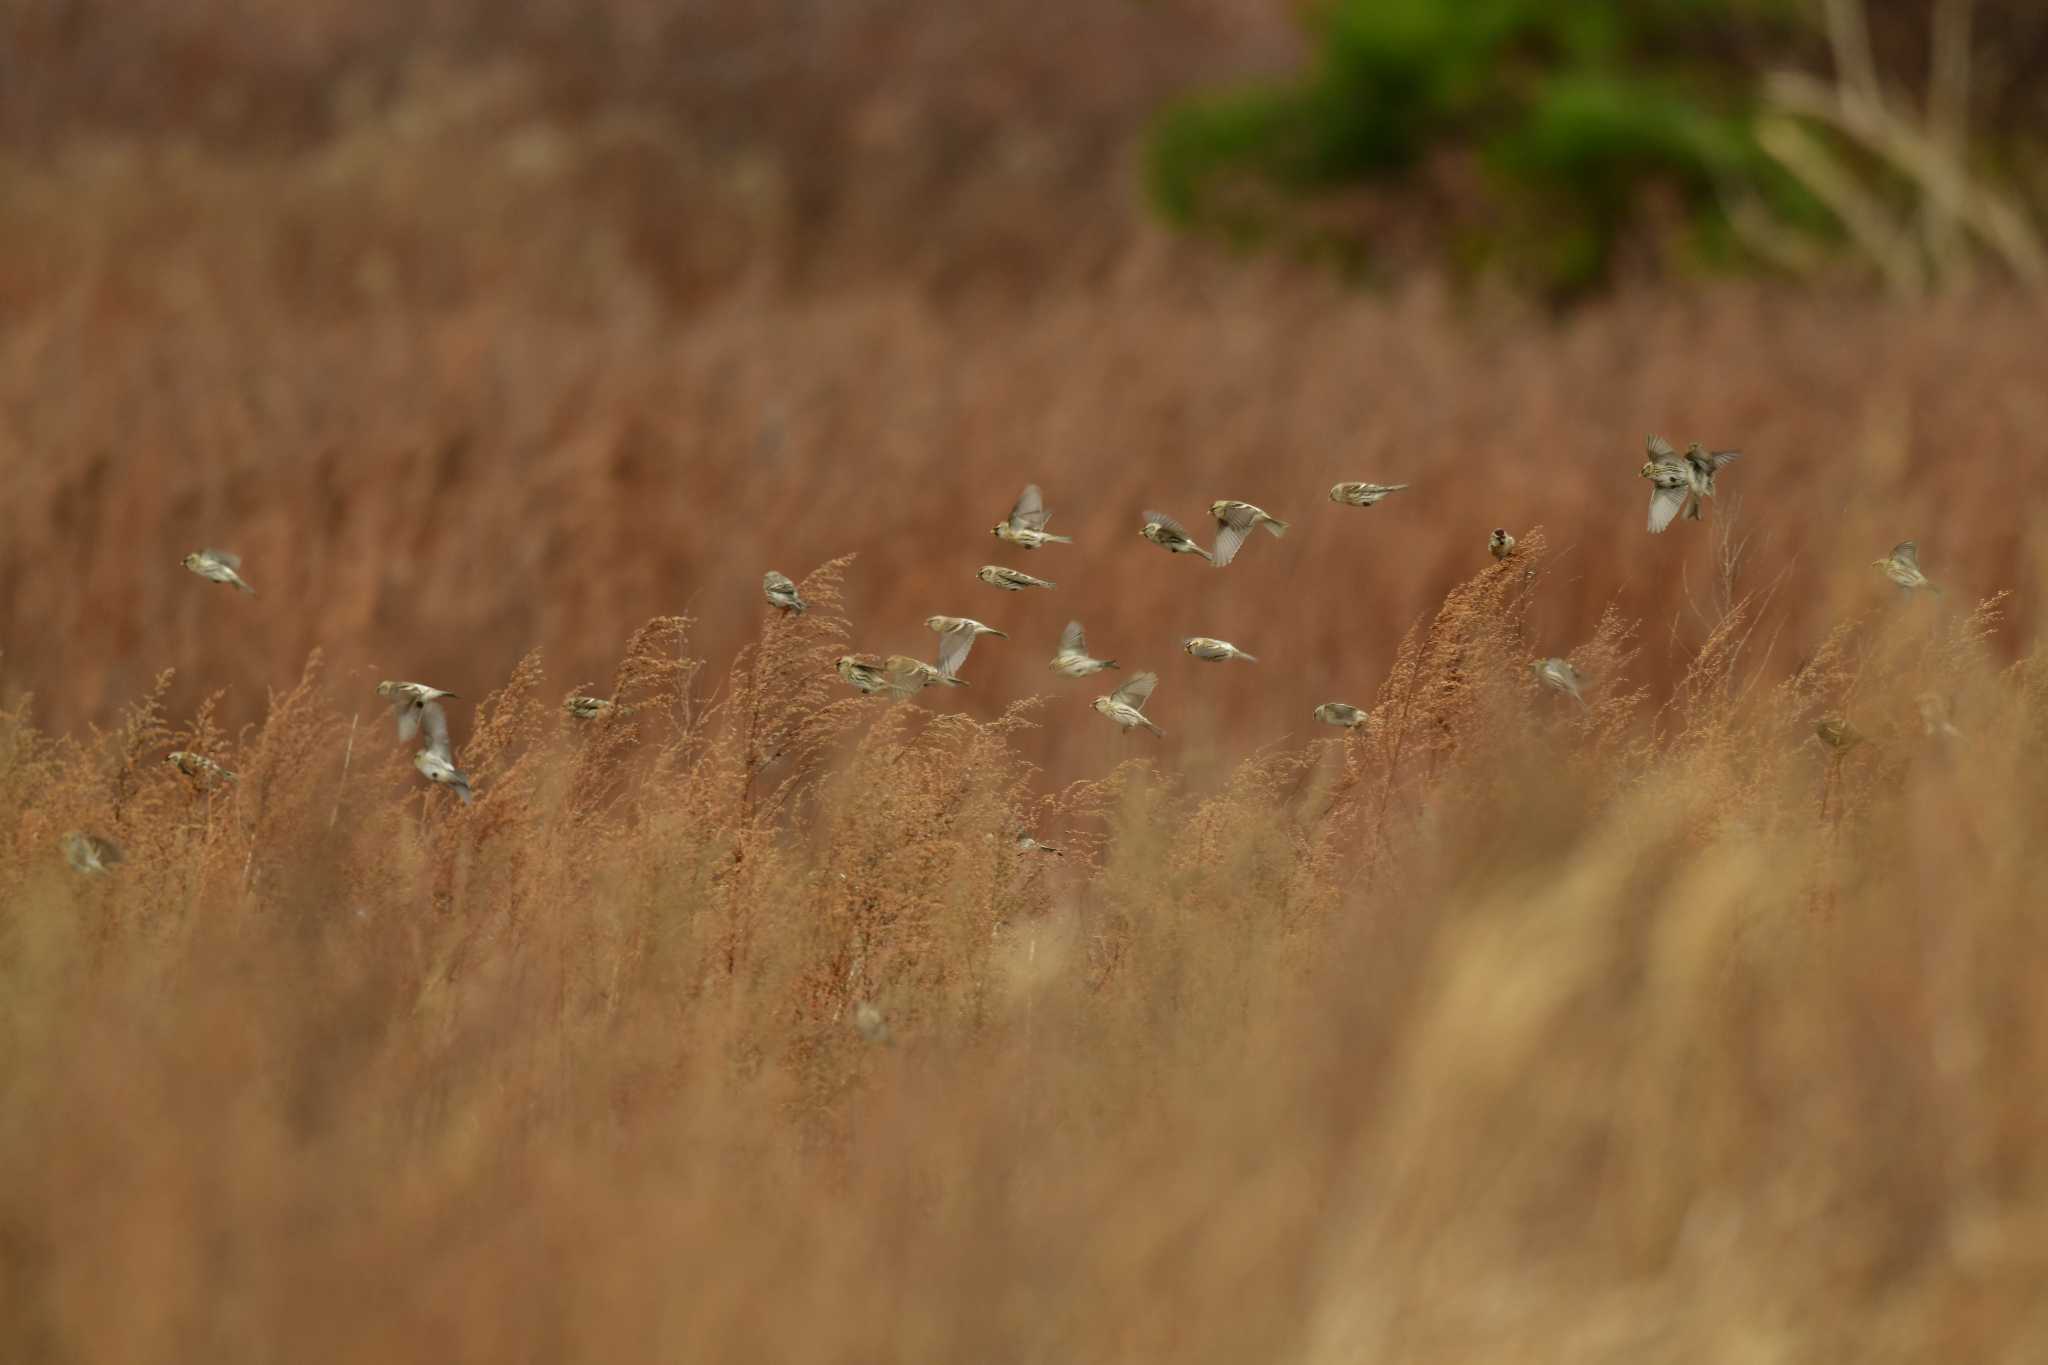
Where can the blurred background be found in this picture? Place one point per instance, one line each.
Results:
(477, 326)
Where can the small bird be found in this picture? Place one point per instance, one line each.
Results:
(1363, 494)
(1214, 651)
(1235, 521)
(1934, 711)
(590, 708)
(1025, 526)
(1340, 713)
(1703, 464)
(1837, 733)
(1071, 660)
(204, 772)
(1126, 705)
(869, 1023)
(1169, 535)
(957, 635)
(1027, 844)
(1009, 580)
(436, 761)
(90, 854)
(861, 675)
(1671, 483)
(1500, 544)
(1560, 675)
(906, 675)
(218, 566)
(409, 701)
(1902, 566)
(782, 593)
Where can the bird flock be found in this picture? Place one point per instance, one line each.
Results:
(1680, 484)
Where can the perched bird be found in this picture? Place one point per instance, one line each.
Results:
(1363, 494)
(90, 854)
(436, 761)
(782, 593)
(1560, 675)
(218, 566)
(957, 635)
(1169, 535)
(1837, 733)
(1126, 705)
(907, 675)
(860, 675)
(869, 1023)
(1025, 526)
(409, 701)
(1027, 844)
(1934, 719)
(1009, 580)
(590, 708)
(1340, 713)
(1235, 521)
(1214, 651)
(1703, 465)
(204, 772)
(1500, 544)
(1671, 484)
(1071, 660)
(1902, 566)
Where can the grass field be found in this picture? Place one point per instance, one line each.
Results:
(1657, 1030)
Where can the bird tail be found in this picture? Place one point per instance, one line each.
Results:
(1044, 584)
(949, 680)
(1061, 540)
(1248, 658)
(1203, 553)
(1109, 663)
(1147, 722)
(1000, 634)
(1276, 526)
(1692, 508)
(244, 586)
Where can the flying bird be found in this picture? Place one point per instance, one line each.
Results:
(89, 854)
(782, 593)
(906, 675)
(1214, 651)
(218, 566)
(861, 675)
(1902, 566)
(1170, 536)
(957, 635)
(409, 702)
(1500, 544)
(1363, 494)
(436, 761)
(1071, 660)
(1703, 465)
(1009, 580)
(1340, 713)
(1560, 675)
(1025, 525)
(1126, 705)
(1671, 483)
(1235, 521)
(590, 708)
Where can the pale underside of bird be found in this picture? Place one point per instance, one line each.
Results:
(1340, 713)
(1362, 494)
(860, 674)
(436, 761)
(906, 675)
(869, 1023)
(1500, 544)
(1171, 536)
(1009, 580)
(218, 566)
(957, 635)
(1562, 676)
(782, 593)
(409, 703)
(1025, 526)
(89, 853)
(1071, 660)
(1902, 566)
(1126, 705)
(1236, 520)
(1215, 651)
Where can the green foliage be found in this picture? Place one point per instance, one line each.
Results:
(1568, 108)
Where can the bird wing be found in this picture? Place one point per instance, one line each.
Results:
(1167, 523)
(1907, 552)
(436, 721)
(953, 647)
(1137, 691)
(222, 558)
(1723, 457)
(1228, 538)
(1665, 504)
(1071, 639)
(408, 714)
(1660, 449)
(777, 582)
(1029, 514)
(1238, 516)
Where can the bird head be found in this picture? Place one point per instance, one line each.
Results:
(1216, 508)
(997, 530)
(1150, 530)
(935, 623)
(1649, 469)
(386, 688)
(190, 561)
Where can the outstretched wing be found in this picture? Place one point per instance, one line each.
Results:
(1228, 538)
(1907, 552)
(1071, 639)
(1660, 449)
(222, 558)
(1723, 457)
(1237, 517)
(436, 720)
(953, 647)
(1137, 690)
(408, 713)
(1029, 514)
(1665, 505)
